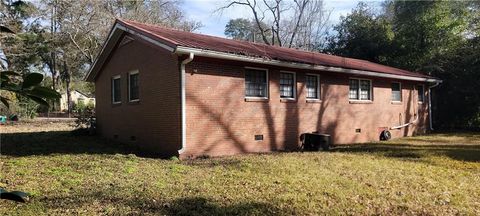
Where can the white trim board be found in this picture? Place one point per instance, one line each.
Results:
(235, 57)
(109, 45)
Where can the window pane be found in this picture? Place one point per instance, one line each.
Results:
(364, 90)
(255, 83)
(312, 87)
(287, 85)
(396, 92)
(353, 93)
(133, 85)
(421, 93)
(116, 90)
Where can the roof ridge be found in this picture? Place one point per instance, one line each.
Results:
(242, 41)
(205, 35)
(217, 37)
(128, 23)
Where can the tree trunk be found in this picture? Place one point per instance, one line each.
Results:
(52, 63)
(67, 76)
(301, 7)
(69, 99)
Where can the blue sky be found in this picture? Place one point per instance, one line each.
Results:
(214, 23)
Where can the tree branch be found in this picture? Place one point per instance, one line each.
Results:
(301, 7)
(253, 8)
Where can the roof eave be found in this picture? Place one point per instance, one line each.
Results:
(108, 45)
(235, 57)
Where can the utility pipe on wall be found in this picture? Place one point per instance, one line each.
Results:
(415, 113)
(429, 110)
(183, 104)
(405, 125)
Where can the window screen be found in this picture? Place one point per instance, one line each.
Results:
(133, 87)
(312, 87)
(396, 92)
(353, 94)
(116, 90)
(365, 90)
(421, 93)
(287, 85)
(256, 83)
(360, 89)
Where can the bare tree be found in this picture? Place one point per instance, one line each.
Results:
(257, 12)
(276, 10)
(299, 24)
(310, 29)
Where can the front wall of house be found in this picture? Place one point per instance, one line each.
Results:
(221, 122)
(153, 123)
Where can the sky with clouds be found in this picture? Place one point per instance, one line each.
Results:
(214, 23)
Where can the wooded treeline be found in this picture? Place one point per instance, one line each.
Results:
(438, 38)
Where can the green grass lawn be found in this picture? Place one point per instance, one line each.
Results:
(434, 175)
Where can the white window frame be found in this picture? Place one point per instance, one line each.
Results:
(423, 95)
(319, 97)
(359, 87)
(245, 83)
(294, 85)
(113, 90)
(129, 93)
(401, 93)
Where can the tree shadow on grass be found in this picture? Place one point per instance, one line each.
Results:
(203, 206)
(446, 138)
(143, 205)
(210, 163)
(59, 142)
(468, 153)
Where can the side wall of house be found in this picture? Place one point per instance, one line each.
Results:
(154, 122)
(221, 122)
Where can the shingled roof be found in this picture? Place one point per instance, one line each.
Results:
(180, 39)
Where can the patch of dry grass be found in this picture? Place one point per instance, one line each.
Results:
(37, 126)
(436, 174)
(441, 139)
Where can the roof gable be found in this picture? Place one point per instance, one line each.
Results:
(81, 93)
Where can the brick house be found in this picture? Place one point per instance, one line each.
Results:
(178, 93)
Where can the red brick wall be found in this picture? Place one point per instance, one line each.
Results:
(221, 122)
(154, 120)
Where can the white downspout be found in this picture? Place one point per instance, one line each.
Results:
(184, 117)
(430, 104)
